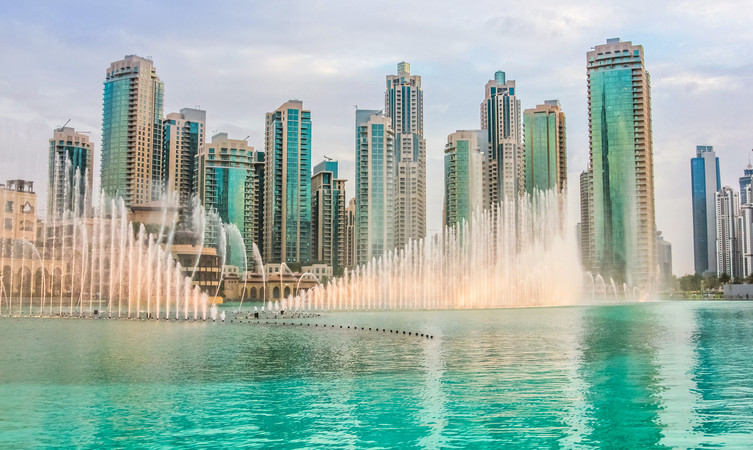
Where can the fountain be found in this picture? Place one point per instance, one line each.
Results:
(497, 259)
(518, 254)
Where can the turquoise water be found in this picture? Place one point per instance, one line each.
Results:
(675, 374)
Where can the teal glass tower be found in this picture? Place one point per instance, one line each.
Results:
(375, 185)
(70, 171)
(227, 182)
(463, 158)
(705, 183)
(545, 154)
(287, 199)
(621, 160)
(132, 152)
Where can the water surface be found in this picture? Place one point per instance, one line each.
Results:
(675, 374)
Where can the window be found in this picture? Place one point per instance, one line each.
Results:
(9, 206)
(8, 224)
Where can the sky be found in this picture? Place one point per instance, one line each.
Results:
(240, 59)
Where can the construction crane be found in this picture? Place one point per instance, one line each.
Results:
(327, 158)
(66, 123)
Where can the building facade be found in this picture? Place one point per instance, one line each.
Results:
(375, 185)
(746, 236)
(545, 149)
(132, 132)
(463, 165)
(226, 183)
(621, 161)
(586, 219)
(705, 183)
(70, 173)
(287, 198)
(500, 117)
(329, 215)
(728, 228)
(404, 105)
(182, 135)
(745, 183)
(664, 261)
(19, 211)
(349, 254)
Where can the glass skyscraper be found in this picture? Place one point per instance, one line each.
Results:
(463, 157)
(545, 155)
(70, 154)
(227, 182)
(375, 185)
(621, 160)
(705, 182)
(287, 199)
(132, 132)
(404, 105)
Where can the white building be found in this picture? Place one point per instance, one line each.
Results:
(404, 103)
(728, 255)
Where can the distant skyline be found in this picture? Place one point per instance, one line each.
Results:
(238, 62)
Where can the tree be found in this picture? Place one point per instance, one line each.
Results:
(690, 283)
(724, 278)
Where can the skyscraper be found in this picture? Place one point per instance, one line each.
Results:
(227, 182)
(182, 135)
(746, 237)
(463, 158)
(70, 154)
(664, 260)
(287, 200)
(349, 255)
(375, 185)
(500, 117)
(745, 182)
(545, 155)
(586, 219)
(328, 213)
(404, 105)
(621, 160)
(132, 131)
(704, 181)
(728, 254)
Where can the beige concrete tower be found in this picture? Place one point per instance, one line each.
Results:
(500, 117)
(183, 134)
(404, 105)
